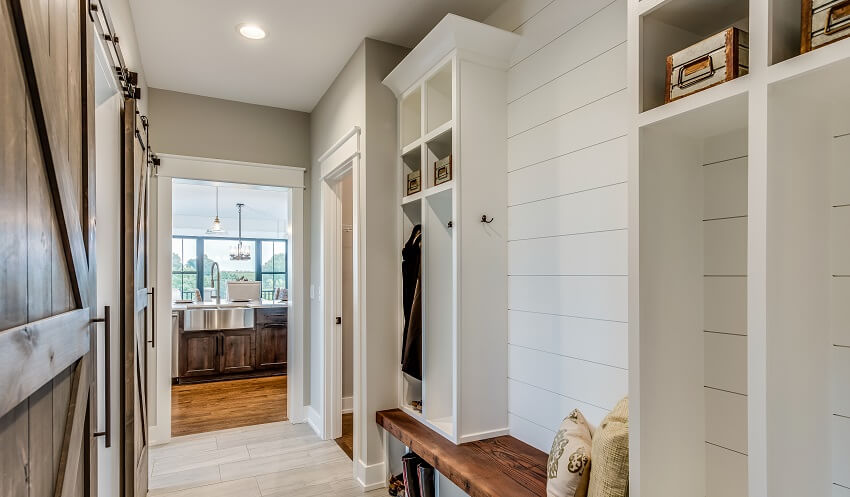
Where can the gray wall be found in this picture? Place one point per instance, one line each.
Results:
(197, 126)
(357, 98)
(340, 108)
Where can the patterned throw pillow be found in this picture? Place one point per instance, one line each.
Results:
(568, 470)
(610, 454)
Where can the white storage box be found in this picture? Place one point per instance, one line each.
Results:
(243, 290)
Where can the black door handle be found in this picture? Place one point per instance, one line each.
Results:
(107, 389)
(152, 302)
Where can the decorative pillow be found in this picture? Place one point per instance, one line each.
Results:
(568, 470)
(610, 454)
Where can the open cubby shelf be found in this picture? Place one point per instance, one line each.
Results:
(662, 27)
(673, 25)
(460, 259)
(741, 239)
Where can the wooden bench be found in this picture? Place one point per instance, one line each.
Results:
(494, 467)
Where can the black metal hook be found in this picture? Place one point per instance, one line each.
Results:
(484, 219)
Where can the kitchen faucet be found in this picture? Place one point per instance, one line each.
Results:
(217, 282)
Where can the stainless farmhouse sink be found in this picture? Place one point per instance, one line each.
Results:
(218, 318)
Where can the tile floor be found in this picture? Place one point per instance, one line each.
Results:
(271, 460)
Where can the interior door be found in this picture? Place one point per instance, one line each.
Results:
(47, 290)
(135, 212)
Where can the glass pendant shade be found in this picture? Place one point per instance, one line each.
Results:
(216, 227)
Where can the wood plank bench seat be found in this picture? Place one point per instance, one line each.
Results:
(494, 467)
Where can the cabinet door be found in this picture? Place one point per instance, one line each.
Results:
(271, 346)
(237, 351)
(198, 353)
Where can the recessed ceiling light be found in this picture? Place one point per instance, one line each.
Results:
(251, 31)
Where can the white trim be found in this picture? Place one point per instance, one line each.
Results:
(295, 341)
(176, 166)
(230, 162)
(370, 477)
(347, 405)
(339, 143)
(250, 173)
(342, 158)
(161, 432)
(474, 437)
(314, 419)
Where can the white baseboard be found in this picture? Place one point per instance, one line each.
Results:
(314, 420)
(370, 477)
(159, 435)
(347, 405)
(484, 434)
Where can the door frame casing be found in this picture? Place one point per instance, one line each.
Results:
(342, 158)
(250, 173)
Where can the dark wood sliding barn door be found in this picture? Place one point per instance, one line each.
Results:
(47, 264)
(135, 181)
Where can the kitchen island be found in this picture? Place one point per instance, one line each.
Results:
(229, 340)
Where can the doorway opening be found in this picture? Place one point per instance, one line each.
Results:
(346, 323)
(231, 266)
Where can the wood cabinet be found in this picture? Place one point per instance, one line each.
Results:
(271, 346)
(237, 351)
(198, 353)
(226, 354)
(272, 331)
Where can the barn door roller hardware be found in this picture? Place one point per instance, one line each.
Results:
(126, 79)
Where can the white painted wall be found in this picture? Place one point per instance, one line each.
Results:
(724, 169)
(567, 212)
(840, 290)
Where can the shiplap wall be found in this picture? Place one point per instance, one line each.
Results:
(840, 318)
(567, 212)
(725, 313)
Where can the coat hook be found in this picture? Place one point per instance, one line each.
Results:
(484, 219)
(451, 224)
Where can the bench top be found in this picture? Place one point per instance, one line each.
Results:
(494, 467)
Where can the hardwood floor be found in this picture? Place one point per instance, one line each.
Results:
(220, 405)
(272, 460)
(346, 441)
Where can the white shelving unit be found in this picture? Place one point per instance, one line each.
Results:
(452, 90)
(739, 260)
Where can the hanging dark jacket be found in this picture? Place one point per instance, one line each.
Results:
(411, 348)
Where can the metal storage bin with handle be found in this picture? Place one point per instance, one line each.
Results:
(824, 22)
(715, 60)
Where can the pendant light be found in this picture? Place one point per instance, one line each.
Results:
(216, 227)
(241, 251)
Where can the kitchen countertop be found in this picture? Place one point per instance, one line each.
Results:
(257, 304)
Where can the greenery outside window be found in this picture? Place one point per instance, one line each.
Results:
(192, 259)
(184, 268)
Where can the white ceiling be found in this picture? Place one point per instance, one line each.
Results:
(192, 46)
(265, 214)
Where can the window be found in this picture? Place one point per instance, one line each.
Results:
(218, 250)
(192, 257)
(273, 271)
(184, 267)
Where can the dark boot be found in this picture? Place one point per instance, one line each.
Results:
(410, 466)
(427, 481)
